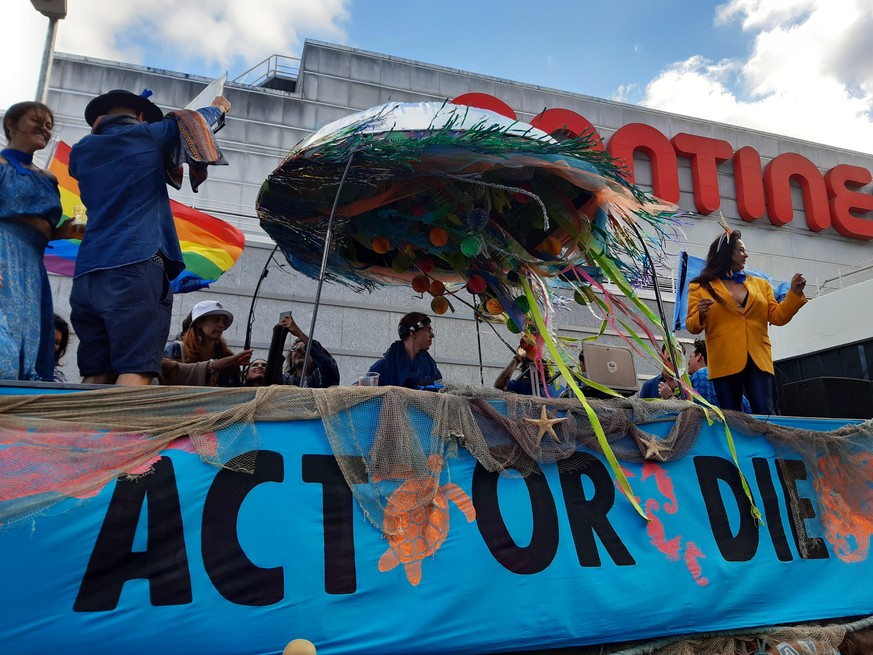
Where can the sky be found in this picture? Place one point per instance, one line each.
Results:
(799, 68)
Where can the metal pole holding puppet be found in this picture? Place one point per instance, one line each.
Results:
(328, 238)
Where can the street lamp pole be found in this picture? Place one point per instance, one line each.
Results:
(54, 10)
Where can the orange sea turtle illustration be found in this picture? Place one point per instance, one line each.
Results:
(416, 530)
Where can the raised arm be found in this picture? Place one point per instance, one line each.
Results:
(699, 304)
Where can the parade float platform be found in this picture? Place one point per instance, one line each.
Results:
(385, 520)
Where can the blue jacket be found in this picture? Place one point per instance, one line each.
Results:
(650, 387)
(120, 169)
(395, 368)
(522, 385)
(325, 372)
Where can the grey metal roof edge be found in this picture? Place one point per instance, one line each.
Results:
(582, 96)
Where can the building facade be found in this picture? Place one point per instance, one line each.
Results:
(801, 206)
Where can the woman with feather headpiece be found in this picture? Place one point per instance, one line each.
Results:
(735, 311)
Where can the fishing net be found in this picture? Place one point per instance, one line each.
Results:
(55, 447)
(830, 638)
(71, 445)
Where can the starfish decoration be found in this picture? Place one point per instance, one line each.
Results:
(655, 449)
(545, 425)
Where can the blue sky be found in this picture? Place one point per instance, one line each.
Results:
(800, 68)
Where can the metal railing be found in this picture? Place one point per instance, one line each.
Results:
(275, 66)
(845, 277)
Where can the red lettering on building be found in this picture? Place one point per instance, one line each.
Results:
(646, 139)
(705, 155)
(834, 199)
(842, 182)
(559, 122)
(778, 175)
(485, 101)
(749, 182)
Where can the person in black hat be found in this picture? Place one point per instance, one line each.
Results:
(121, 298)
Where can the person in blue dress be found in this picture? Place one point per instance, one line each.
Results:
(30, 216)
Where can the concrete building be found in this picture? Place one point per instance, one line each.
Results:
(285, 100)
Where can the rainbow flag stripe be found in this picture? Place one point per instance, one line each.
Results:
(210, 246)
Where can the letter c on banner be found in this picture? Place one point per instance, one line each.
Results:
(232, 573)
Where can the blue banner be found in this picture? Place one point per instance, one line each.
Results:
(193, 559)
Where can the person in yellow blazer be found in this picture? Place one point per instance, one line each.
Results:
(735, 311)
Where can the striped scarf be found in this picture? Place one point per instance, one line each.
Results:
(197, 148)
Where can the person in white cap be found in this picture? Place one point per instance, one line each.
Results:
(204, 345)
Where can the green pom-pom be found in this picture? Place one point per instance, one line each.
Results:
(470, 246)
(512, 327)
(522, 303)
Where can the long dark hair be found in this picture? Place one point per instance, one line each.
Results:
(719, 261)
(19, 109)
(63, 327)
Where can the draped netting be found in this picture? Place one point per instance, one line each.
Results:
(55, 447)
(71, 445)
(850, 637)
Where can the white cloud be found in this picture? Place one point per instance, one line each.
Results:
(760, 14)
(809, 73)
(218, 32)
(251, 30)
(19, 67)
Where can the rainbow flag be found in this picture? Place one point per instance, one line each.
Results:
(209, 245)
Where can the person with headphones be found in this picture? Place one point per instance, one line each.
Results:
(407, 363)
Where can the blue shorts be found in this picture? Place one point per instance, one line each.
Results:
(122, 318)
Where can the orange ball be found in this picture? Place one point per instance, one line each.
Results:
(493, 306)
(299, 647)
(420, 283)
(437, 288)
(381, 245)
(551, 246)
(439, 305)
(439, 237)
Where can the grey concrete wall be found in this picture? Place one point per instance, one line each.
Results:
(335, 81)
